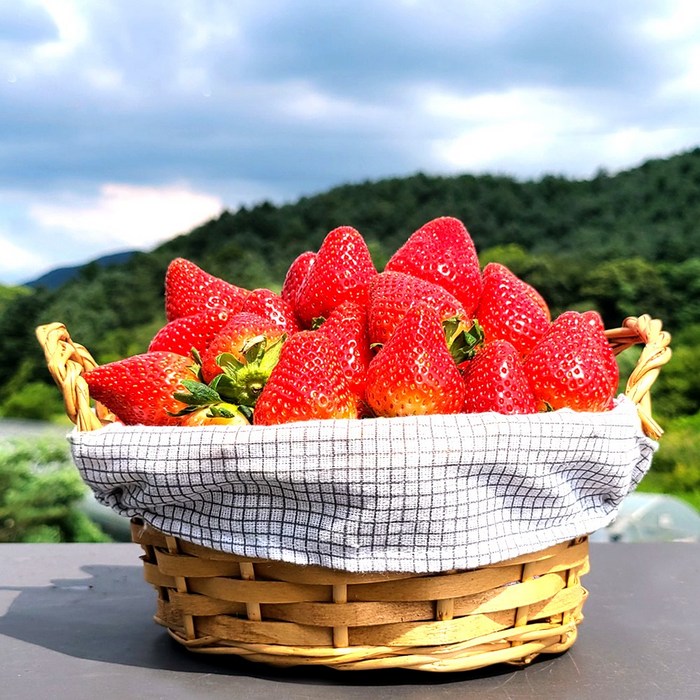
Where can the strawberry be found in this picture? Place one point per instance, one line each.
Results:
(442, 252)
(296, 274)
(391, 295)
(139, 389)
(538, 299)
(571, 367)
(267, 304)
(510, 309)
(190, 290)
(183, 334)
(495, 380)
(308, 383)
(221, 413)
(341, 272)
(598, 329)
(234, 337)
(414, 373)
(238, 361)
(346, 327)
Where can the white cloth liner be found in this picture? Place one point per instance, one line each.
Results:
(421, 494)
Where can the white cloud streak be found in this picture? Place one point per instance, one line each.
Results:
(17, 258)
(128, 216)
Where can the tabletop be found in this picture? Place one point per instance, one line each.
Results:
(76, 621)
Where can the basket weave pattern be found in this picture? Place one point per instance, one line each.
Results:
(286, 614)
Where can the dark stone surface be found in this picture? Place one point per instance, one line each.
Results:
(76, 622)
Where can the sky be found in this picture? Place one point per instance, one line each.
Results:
(124, 124)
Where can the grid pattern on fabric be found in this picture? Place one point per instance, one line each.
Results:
(422, 494)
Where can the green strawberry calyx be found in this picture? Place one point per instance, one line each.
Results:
(198, 395)
(242, 382)
(463, 340)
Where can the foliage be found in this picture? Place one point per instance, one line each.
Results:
(7, 294)
(676, 465)
(623, 286)
(677, 392)
(39, 493)
(34, 401)
(681, 451)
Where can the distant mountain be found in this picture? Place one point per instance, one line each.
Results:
(55, 278)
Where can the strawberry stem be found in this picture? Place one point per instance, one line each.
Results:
(463, 341)
(242, 382)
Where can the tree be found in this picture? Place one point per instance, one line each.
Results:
(7, 294)
(34, 401)
(683, 283)
(17, 340)
(677, 390)
(626, 287)
(39, 493)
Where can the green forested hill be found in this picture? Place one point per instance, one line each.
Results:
(624, 244)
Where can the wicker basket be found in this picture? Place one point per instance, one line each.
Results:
(286, 614)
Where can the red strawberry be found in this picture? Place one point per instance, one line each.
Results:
(308, 383)
(183, 334)
(538, 299)
(391, 295)
(442, 252)
(267, 304)
(140, 388)
(414, 373)
(296, 274)
(346, 327)
(235, 338)
(238, 361)
(495, 380)
(598, 329)
(190, 290)
(592, 322)
(341, 272)
(509, 309)
(570, 366)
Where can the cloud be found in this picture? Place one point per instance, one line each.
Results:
(25, 23)
(310, 96)
(41, 232)
(17, 258)
(127, 216)
(455, 45)
(509, 129)
(248, 101)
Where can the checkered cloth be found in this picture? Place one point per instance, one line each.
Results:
(420, 494)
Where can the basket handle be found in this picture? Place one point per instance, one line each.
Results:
(67, 361)
(656, 353)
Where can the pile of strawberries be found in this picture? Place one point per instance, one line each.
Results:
(432, 333)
